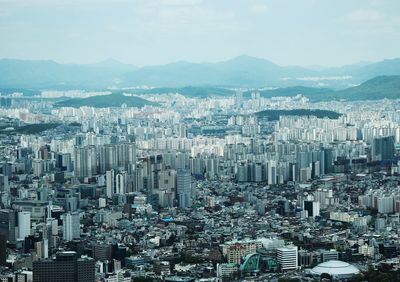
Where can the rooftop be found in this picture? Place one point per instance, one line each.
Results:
(335, 268)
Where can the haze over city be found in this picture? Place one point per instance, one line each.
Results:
(140, 32)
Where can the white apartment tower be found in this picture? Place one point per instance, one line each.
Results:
(288, 257)
(71, 226)
(24, 224)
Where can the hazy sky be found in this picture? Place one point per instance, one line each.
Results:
(147, 32)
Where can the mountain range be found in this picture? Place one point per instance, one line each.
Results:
(116, 99)
(374, 89)
(242, 71)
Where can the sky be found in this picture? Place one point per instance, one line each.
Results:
(152, 32)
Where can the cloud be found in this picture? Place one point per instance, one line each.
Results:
(67, 3)
(58, 3)
(180, 2)
(377, 3)
(364, 16)
(258, 8)
(371, 21)
(191, 15)
(3, 13)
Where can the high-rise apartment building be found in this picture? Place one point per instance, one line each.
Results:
(287, 257)
(71, 226)
(85, 161)
(24, 224)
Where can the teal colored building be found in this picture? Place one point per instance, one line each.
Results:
(258, 262)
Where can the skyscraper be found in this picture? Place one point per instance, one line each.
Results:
(184, 188)
(126, 153)
(110, 181)
(117, 156)
(166, 187)
(121, 183)
(271, 172)
(85, 161)
(107, 158)
(3, 250)
(8, 223)
(24, 224)
(4, 185)
(71, 226)
(238, 99)
(382, 148)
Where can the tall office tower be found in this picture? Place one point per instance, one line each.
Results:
(182, 161)
(101, 159)
(8, 223)
(110, 181)
(287, 257)
(141, 178)
(121, 183)
(71, 226)
(271, 172)
(7, 169)
(91, 155)
(67, 266)
(238, 99)
(322, 162)
(166, 187)
(382, 148)
(4, 185)
(184, 188)
(24, 224)
(63, 161)
(329, 159)
(3, 250)
(85, 161)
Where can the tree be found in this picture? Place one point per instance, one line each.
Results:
(286, 279)
(145, 279)
(357, 278)
(326, 276)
